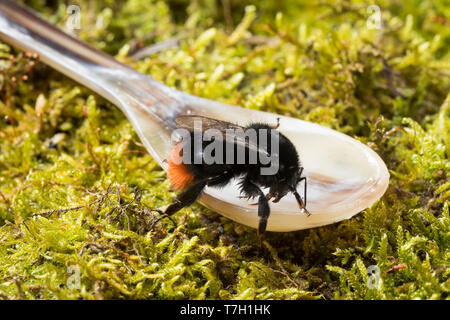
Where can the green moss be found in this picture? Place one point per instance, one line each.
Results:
(77, 187)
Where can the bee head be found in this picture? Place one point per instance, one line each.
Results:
(289, 174)
(288, 178)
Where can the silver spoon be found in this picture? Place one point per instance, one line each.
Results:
(344, 176)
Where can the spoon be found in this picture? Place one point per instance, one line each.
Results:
(344, 176)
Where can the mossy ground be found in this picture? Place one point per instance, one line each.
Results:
(64, 148)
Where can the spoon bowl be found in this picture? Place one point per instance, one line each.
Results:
(344, 176)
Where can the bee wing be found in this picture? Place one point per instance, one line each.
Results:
(188, 122)
(228, 130)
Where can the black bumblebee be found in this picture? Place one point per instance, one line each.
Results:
(191, 176)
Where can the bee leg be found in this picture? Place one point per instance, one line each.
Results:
(163, 215)
(190, 195)
(263, 214)
(304, 190)
(185, 198)
(251, 190)
(277, 125)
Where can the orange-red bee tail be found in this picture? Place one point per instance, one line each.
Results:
(178, 174)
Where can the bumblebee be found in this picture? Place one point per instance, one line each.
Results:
(191, 176)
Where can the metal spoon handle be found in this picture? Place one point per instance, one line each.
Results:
(46, 36)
